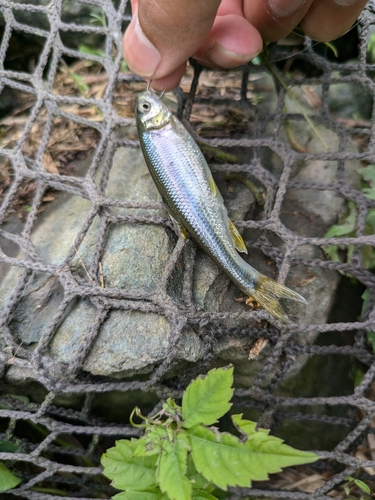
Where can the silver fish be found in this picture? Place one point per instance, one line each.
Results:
(194, 202)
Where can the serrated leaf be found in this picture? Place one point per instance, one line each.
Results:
(154, 494)
(369, 192)
(207, 398)
(127, 471)
(151, 442)
(202, 495)
(171, 406)
(172, 467)
(347, 226)
(224, 460)
(198, 481)
(7, 479)
(246, 427)
(141, 449)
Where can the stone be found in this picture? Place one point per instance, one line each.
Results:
(130, 342)
(135, 255)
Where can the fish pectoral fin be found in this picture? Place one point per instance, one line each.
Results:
(213, 186)
(237, 238)
(179, 228)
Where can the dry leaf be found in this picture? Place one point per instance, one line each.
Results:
(49, 164)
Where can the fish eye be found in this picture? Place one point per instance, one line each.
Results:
(145, 106)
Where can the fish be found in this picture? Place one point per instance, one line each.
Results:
(194, 202)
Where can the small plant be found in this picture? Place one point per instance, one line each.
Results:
(347, 228)
(99, 19)
(180, 457)
(370, 49)
(7, 479)
(352, 481)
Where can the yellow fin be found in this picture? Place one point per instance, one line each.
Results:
(213, 185)
(237, 238)
(263, 291)
(179, 228)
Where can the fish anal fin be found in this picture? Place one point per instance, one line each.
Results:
(237, 238)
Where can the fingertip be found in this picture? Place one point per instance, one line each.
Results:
(317, 24)
(170, 81)
(233, 41)
(140, 54)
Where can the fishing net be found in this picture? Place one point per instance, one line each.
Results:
(271, 131)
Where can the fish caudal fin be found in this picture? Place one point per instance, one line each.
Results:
(267, 292)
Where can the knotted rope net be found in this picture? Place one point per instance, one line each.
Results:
(58, 415)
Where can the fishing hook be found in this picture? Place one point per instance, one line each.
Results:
(148, 88)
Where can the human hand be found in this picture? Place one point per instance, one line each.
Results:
(163, 34)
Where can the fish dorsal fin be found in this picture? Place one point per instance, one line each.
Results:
(237, 238)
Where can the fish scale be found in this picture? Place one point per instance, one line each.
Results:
(194, 202)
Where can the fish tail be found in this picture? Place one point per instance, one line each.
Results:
(267, 292)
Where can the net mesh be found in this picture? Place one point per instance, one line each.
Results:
(59, 416)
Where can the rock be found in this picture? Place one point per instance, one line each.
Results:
(349, 100)
(134, 257)
(132, 342)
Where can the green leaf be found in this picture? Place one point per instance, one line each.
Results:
(171, 407)
(246, 427)
(371, 338)
(368, 175)
(127, 471)
(221, 458)
(332, 252)
(172, 467)
(333, 48)
(370, 219)
(154, 494)
(347, 226)
(7, 479)
(226, 461)
(198, 481)
(272, 453)
(202, 495)
(151, 442)
(207, 398)
(361, 485)
(9, 447)
(90, 51)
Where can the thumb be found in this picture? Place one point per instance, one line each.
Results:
(163, 34)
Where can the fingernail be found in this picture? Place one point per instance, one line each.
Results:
(227, 59)
(284, 8)
(345, 3)
(146, 58)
